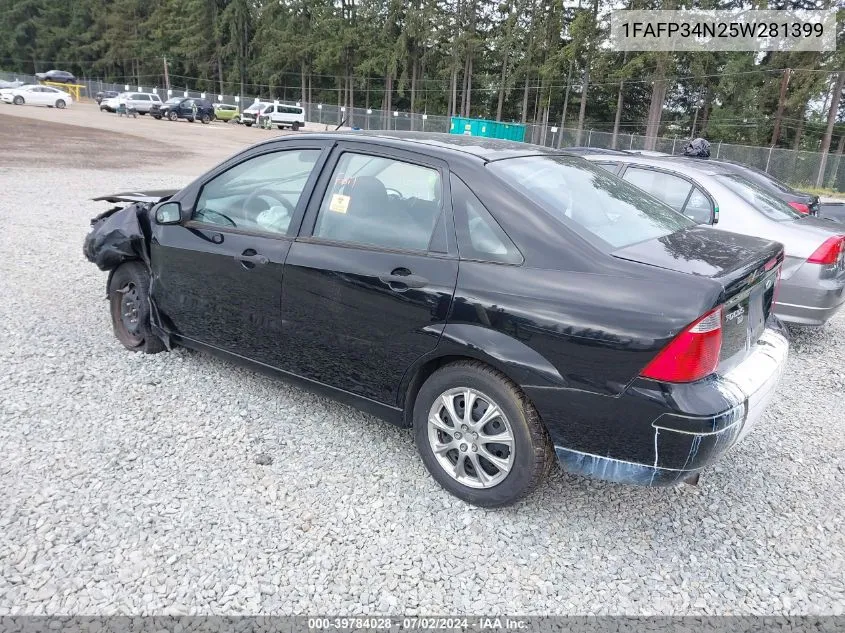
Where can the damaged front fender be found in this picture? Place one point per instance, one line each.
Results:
(119, 235)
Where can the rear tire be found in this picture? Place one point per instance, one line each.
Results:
(205, 119)
(19, 100)
(142, 113)
(295, 126)
(517, 464)
(60, 104)
(129, 303)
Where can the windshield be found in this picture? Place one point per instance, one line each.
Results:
(589, 199)
(174, 100)
(759, 198)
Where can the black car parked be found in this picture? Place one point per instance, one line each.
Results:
(510, 303)
(184, 108)
(58, 76)
(802, 202)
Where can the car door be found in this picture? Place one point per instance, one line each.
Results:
(217, 275)
(369, 282)
(186, 108)
(38, 96)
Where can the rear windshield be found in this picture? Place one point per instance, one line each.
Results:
(590, 200)
(759, 198)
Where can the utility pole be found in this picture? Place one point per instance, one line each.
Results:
(784, 83)
(166, 75)
(831, 121)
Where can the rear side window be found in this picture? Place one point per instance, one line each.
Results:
(589, 200)
(698, 208)
(673, 190)
(479, 235)
(759, 198)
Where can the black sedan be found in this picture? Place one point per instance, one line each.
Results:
(802, 202)
(187, 108)
(509, 303)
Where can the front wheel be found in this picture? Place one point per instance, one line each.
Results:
(479, 436)
(157, 117)
(18, 100)
(172, 116)
(60, 104)
(129, 302)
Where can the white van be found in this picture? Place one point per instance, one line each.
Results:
(283, 116)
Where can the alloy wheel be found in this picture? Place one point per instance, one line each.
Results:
(471, 437)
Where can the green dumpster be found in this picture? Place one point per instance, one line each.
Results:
(489, 129)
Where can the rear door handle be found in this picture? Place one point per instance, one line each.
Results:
(402, 279)
(249, 256)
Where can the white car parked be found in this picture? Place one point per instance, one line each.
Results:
(38, 95)
(282, 116)
(141, 102)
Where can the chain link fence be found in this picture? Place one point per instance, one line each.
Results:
(799, 168)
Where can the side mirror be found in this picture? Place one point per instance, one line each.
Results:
(169, 213)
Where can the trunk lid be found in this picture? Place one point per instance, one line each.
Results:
(746, 267)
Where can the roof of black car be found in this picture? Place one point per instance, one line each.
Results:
(487, 149)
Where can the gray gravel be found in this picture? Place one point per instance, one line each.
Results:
(179, 483)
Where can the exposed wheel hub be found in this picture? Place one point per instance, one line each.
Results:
(130, 306)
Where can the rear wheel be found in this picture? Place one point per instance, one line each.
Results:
(479, 436)
(18, 100)
(205, 119)
(157, 117)
(172, 116)
(129, 302)
(60, 104)
(142, 113)
(295, 126)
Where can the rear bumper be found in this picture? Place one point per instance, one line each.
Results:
(811, 296)
(659, 434)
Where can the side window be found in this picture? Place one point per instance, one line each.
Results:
(381, 202)
(699, 209)
(259, 194)
(479, 235)
(673, 190)
(613, 168)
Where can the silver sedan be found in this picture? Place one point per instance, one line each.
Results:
(812, 286)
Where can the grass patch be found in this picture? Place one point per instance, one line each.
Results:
(820, 191)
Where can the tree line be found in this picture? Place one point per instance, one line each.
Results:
(534, 61)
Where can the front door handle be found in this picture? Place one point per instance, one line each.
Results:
(250, 258)
(401, 279)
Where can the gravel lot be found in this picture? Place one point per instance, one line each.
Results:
(130, 483)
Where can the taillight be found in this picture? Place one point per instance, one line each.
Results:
(829, 251)
(691, 355)
(800, 207)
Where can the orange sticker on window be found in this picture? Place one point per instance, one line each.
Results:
(339, 203)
